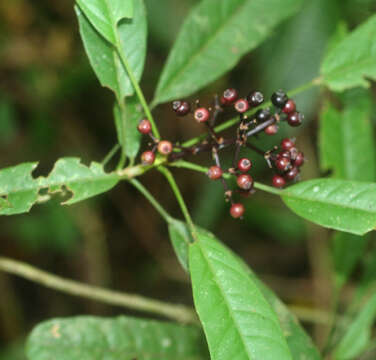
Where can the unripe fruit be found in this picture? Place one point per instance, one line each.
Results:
(278, 181)
(244, 165)
(215, 172)
(295, 119)
(201, 115)
(289, 107)
(287, 144)
(299, 159)
(165, 147)
(245, 182)
(144, 127)
(181, 107)
(241, 106)
(292, 173)
(237, 210)
(147, 157)
(271, 129)
(284, 154)
(229, 96)
(282, 164)
(255, 98)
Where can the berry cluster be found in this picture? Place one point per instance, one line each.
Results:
(285, 160)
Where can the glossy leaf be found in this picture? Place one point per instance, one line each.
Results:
(215, 35)
(126, 120)
(121, 338)
(19, 190)
(105, 15)
(237, 320)
(358, 334)
(180, 239)
(344, 205)
(352, 60)
(104, 57)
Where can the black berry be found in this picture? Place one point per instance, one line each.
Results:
(255, 98)
(279, 99)
(263, 115)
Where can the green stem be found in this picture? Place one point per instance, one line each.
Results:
(136, 86)
(142, 189)
(180, 200)
(110, 155)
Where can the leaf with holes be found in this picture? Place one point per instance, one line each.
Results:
(237, 320)
(352, 60)
(215, 35)
(105, 15)
(19, 190)
(344, 205)
(121, 338)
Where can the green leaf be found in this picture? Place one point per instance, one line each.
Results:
(180, 238)
(353, 59)
(215, 35)
(104, 57)
(237, 320)
(346, 138)
(344, 205)
(358, 335)
(126, 120)
(105, 15)
(121, 338)
(19, 190)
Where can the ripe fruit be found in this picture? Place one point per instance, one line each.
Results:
(241, 106)
(282, 164)
(147, 157)
(215, 173)
(237, 210)
(278, 181)
(181, 107)
(295, 118)
(201, 115)
(279, 99)
(255, 98)
(292, 173)
(271, 129)
(245, 181)
(284, 154)
(144, 127)
(289, 107)
(229, 96)
(287, 144)
(263, 114)
(299, 159)
(164, 147)
(244, 165)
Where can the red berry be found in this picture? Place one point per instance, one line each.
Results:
(165, 147)
(229, 96)
(292, 173)
(289, 107)
(241, 106)
(144, 127)
(293, 153)
(299, 159)
(278, 181)
(245, 181)
(201, 115)
(181, 107)
(282, 164)
(284, 154)
(215, 173)
(244, 165)
(237, 210)
(255, 98)
(287, 144)
(271, 129)
(147, 157)
(295, 118)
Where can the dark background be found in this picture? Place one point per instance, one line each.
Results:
(52, 106)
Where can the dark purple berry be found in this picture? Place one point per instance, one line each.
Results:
(237, 210)
(165, 147)
(292, 173)
(144, 127)
(278, 181)
(263, 115)
(255, 98)
(201, 115)
(279, 99)
(181, 107)
(299, 159)
(147, 157)
(245, 181)
(241, 106)
(282, 164)
(271, 129)
(289, 107)
(229, 96)
(295, 118)
(215, 172)
(287, 144)
(244, 165)
(284, 154)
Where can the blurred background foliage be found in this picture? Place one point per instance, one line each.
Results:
(51, 105)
